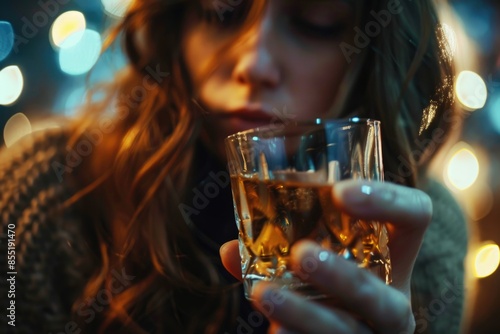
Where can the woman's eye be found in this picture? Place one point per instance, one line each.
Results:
(311, 29)
(223, 18)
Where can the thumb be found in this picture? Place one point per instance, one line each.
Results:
(230, 256)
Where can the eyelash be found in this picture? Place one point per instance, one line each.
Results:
(318, 31)
(233, 18)
(230, 18)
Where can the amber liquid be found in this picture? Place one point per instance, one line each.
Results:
(272, 215)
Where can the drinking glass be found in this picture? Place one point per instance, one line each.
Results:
(282, 177)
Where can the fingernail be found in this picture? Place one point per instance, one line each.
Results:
(353, 193)
(267, 297)
(366, 189)
(303, 250)
(310, 255)
(223, 247)
(323, 256)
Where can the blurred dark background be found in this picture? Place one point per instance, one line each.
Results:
(47, 48)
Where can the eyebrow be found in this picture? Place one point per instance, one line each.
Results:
(349, 2)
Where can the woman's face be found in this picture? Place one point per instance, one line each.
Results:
(286, 66)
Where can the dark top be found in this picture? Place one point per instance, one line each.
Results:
(48, 260)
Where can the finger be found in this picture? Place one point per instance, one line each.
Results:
(276, 328)
(408, 212)
(408, 207)
(385, 308)
(230, 256)
(296, 315)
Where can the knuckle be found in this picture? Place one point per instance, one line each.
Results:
(366, 291)
(424, 205)
(412, 325)
(403, 319)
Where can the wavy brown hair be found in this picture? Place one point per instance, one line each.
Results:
(133, 182)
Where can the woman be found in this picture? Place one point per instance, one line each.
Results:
(113, 233)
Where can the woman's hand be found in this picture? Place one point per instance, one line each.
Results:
(363, 303)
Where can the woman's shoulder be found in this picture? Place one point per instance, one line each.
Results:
(32, 168)
(41, 233)
(34, 151)
(438, 292)
(448, 228)
(31, 165)
(35, 178)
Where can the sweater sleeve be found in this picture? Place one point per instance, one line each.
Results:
(438, 276)
(36, 244)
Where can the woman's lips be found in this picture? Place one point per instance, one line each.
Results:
(249, 115)
(237, 120)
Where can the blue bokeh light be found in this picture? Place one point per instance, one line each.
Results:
(479, 18)
(81, 57)
(6, 39)
(494, 113)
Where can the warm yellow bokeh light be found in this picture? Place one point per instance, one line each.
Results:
(16, 127)
(480, 201)
(451, 39)
(471, 90)
(66, 25)
(11, 84)
(116, 8)
(462, 169)
(487, 260)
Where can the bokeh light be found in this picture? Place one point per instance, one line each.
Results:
(16, 127)
(479, 201)
(494, 113)
(116, 8)
(11, 84)
(451, 38)
(82, 56)
(74, 100)
(69, 24)
(462, 169)
(487, 260)
(471, 90)
(6, 39)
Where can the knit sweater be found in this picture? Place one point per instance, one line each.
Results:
(42, 252)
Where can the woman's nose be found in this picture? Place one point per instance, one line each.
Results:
(257, 60)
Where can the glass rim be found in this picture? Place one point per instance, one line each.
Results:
(318, 121)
